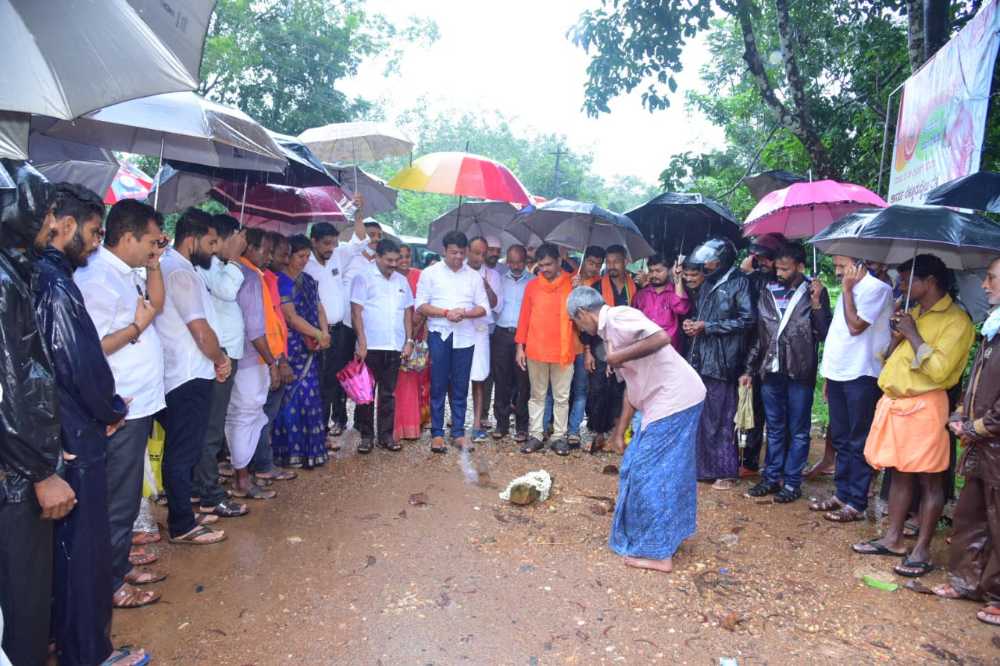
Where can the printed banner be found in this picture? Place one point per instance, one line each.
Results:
(942, 111)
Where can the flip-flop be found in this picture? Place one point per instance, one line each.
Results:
(923, 568)
(989, 612)
(255, 493)
(124, 652)
(145, 538)
(191, 538)
(150, 596)
(141, 558)
(145, 577)
(278, 475)
(875, 548)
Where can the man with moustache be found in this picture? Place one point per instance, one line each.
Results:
(193, 358)
(663, 300)
(482, 384)
(508, 377)
(494, 248)
(89, 410)
(122, 289)
(223, 281)
(793, 317)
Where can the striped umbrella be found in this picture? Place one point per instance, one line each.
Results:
(462, 175)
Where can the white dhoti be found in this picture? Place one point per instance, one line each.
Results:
(481, 356)
(245, 417)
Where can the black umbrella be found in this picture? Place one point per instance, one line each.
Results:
(979, 191)
(675, 223)
(577, 225)
(896, 234)
(763, 183)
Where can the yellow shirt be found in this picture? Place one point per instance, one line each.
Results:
(938, 364)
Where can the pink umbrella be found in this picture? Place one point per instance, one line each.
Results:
(802, 210)
(129, 183)
(298, 205)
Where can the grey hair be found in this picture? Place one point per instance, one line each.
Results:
(584, 298)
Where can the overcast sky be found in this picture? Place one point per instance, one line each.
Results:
(514, 57)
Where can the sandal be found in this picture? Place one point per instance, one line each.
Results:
(829, 504)
(255, 492)
(129, 596)
(910, 529)
(438, 445)
(391, 445)
(336, 430)
(873, 547)
(913, 569)
(521, 438)
(225, 509)
(144, 577)
(989, 615)
(845, 514)
(226, 469)
(200, 536)
(123, 653)
(277, 475)
(206, 519)
(138, 557)
(145, 538)
(946, 591)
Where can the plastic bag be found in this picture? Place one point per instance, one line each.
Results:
(357, 382)
(152, 478)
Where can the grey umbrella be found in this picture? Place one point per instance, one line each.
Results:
(180, 126)
(577, 225)
(177, 190)
(68, 57)
(488, 218)
(65, 161)
(379, 197)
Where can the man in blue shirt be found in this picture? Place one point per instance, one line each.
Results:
(510, 380)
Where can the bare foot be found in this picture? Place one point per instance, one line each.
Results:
(666, 566)
(946, 591)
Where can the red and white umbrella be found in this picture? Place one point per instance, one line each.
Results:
(129, 183)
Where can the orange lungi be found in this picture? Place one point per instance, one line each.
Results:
(908, 434)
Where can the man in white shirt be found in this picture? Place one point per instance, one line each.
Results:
(122, 289)
(852, 360)
(328, 265)
(482, 384)
(223, 281)
(452, 297)
(192, 359)
(382, 310)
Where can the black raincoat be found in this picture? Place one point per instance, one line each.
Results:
(87, 406)
(29, 428)
(728, 311)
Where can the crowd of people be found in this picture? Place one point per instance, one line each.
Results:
(232, 340)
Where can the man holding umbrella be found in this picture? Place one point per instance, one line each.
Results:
(717, 350)
(930, 347)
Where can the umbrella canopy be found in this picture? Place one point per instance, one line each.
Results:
(6, 181)
(895, 234)
(804, 209)
(461, 174)
(379, 197)
(179, 126)
(763, 183)
(488, 218)
(66, 161)
(14, 128)
(180, 189)
(129, 183)
(978, 191)
(300, 205)
(577, 225)
(362, 141)
(66, 58)
(676, 222)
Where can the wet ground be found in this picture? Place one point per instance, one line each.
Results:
(397, 559)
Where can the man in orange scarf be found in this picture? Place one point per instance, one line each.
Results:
(605, 392)
(546, 348)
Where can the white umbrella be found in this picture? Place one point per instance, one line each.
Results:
(69, 57)
(362, 141)
(178, 126)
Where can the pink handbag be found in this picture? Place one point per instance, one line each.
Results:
(357, 382)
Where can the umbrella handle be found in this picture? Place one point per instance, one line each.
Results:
(243, 201)
(909, 284)
(159, 170)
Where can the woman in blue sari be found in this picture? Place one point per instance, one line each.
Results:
(299, 437)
